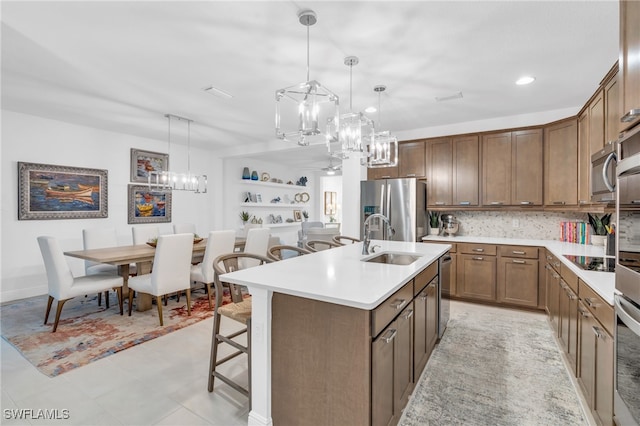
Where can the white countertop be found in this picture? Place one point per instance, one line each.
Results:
(602, 283)
(339, 275)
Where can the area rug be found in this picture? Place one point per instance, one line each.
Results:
(87, 332)
(495, 366)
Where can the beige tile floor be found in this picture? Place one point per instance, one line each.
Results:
(162, 382)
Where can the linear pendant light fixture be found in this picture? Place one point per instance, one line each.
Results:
(383, 152)
(355, 130)
(312, 102)
(185, 181)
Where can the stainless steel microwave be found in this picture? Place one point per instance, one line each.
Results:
(603, 174)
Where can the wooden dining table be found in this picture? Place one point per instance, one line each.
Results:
(142, 255)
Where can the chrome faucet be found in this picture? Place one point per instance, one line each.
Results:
(367, 232)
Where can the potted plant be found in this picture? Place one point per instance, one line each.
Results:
(244, 216)
(599, 226)
(305, 214)
(434, 223)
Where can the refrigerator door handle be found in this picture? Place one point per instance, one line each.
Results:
(388, 215)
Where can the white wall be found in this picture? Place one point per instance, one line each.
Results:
(33, 139)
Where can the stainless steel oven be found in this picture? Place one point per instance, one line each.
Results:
(603, 174)
(627, 304)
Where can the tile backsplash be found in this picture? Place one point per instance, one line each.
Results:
(512, 224)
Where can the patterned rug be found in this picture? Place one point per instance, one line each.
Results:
(87, 332)
(495, 366)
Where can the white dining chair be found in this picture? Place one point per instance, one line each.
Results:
(171, 271)
(318, 235)
(64, 286)
(142, 234)
(304, 227)
(257, 242)
(184, 228)
(218, 243)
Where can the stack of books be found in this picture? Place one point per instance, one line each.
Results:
(574, 232)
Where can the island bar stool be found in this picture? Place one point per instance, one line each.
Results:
(62, 284)
(343, 240)
(171, 271)
(275, 252)
(237, 310)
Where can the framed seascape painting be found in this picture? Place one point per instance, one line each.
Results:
(149, 205)
(144, 162)
(47, 191)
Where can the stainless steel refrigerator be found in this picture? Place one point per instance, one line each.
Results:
(402, 201)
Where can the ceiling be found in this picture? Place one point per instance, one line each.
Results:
(121, 66)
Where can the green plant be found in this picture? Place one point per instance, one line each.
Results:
(305, 214)
(599, 224)
(434, 220)
(244, 216)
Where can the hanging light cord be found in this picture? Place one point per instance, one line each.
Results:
(350, 88)
(379, 123)
(308, 50)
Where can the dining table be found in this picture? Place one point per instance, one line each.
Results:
(142, 255)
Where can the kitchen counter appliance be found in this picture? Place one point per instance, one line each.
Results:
(402, 201)
(449, 224)
(603, 174)
(588, 263)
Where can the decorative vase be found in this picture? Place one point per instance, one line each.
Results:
(254, 175)
(434, 231)
(598, 240)
(245, 173)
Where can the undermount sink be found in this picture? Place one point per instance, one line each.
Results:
(392, 258)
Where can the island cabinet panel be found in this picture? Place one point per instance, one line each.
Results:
(440, 178)
(517, 278)
(561, 163)
(629, 78)
(496, 169)
(425, 325)
(382, 383)
(412, 159)
(402, 361)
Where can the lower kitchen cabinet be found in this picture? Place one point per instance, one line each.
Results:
(517, 278)
(553, 297)
(476, 277)
(568, 316)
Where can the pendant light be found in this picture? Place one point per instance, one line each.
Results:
(312, 103)
(383, 151)
(355, 130)
(180, 181)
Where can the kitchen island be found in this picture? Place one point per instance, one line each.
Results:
(338, 291)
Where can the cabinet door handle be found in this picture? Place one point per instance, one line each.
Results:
(555, 275)
(522, 262)
(423, 295)
(478, 258)
(411, 175)
(584, 313)
(557, 264)
(518, 252)
(590, 303)
(596, 331)
(464, 203)
(559, 202)
(635, 201)
(496, 203)
(408, 315)
(630, 116)
(526, 203)
(390, 335)
(439, 203)
(398, 304)
(479, 250)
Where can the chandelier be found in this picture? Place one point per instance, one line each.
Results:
(181, 181)
(311, 104)
(355, 130)
(383, 151)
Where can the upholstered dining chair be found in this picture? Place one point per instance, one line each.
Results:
(257, 242)
(344, 240)
(171, 271)
(276, 252)
(64, 286)
(183, 228)
(305, 226)
(218, 243)
(319, 245)
(238, 310)
(317, 235)
(144, 233)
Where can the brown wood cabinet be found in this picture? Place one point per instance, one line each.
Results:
(382, 173)
(476, 272)
(612, 108)
(512, 168)
(561, 163)
(584, 159)
(466, 170)
(440, 179)
(553, 295)
(568, 318)
(596, 122)
(629, 78)
(426, 319)
(412, 159)
(517, 277)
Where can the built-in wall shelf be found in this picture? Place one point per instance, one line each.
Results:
(275, 205)
(273, 184)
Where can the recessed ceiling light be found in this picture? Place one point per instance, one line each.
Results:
(525, 80)
(370, 110)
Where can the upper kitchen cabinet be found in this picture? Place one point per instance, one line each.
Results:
(412, 159)
(596, 122)
(629, 78)
(454, 166)
(512, 168)
(561, 163)
(382, 173)
(604, 112)
(612, 107)
(584, 159)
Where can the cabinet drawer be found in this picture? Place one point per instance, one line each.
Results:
(570, 278)
(485, 249)
(600, 309)
(424, 278)
(519, 251)
(553, 261)
(390, 308)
